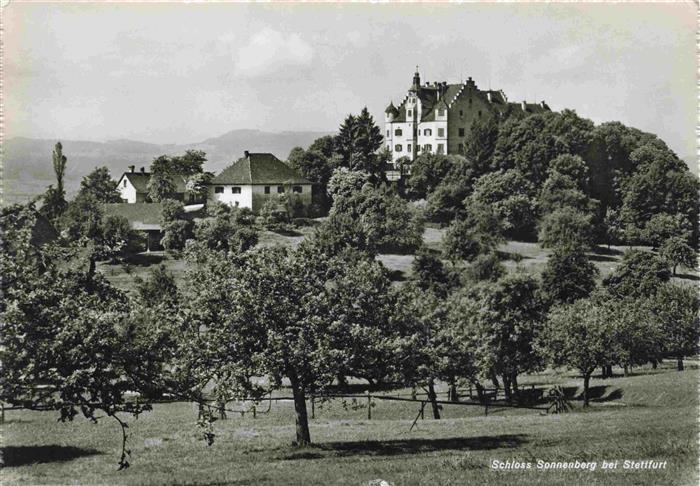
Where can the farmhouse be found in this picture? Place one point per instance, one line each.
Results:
(133, 186)
(256, 178)
(436, 117)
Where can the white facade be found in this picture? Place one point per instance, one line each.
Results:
(127, 190)
(233, 195)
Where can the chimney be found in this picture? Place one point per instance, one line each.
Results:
(131, 168)
(246, 154)
(143, 170)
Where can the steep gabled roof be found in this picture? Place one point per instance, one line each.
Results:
(259, 168)
(140, 181)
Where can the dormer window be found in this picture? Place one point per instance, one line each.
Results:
(427, 132)
(409, 112)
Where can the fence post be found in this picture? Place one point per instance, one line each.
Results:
(313, 407)
(254, 411)
(422, 408)
(369, 406)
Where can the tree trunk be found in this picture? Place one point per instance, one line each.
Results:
(479, 391)
(604, 372)
(433, 399)
(586, 380)
(302, 420)
(674, 270)
(625, 369)
(506, 386)
(494, 380)
(514, 383)
(680, 362)
(454, 396)
(608, 370)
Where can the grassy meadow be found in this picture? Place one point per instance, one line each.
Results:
(650, 415)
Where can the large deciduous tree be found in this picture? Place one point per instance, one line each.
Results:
(99, 183)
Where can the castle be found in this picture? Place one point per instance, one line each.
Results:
(436, 117)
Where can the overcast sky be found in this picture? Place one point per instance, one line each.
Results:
(180, 73)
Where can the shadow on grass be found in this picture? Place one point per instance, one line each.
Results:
(407, 446)
(687, 276)
(601, 258)
(595, 393)
(602, 250)
(144, 259)
(515, 256)
(14, 456)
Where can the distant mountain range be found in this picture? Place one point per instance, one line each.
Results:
(27, 169)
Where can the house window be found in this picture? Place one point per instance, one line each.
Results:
(398, 147)
(235, 190)
(408, 147)
(427, 148)
(296, 189)
(218, 190)
(280, 189)
(461, 132)
(441, 148)
(267, 189)
(441, 132)
(427, 132)
(398, 132)
(124, 182)
(410, 113)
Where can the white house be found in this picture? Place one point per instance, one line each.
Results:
(133, 186)
(256, 178)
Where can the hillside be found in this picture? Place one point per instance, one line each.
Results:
(27, 162)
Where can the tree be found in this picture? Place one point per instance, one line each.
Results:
(55, 198)
(481, 231)
(677, 251)
(198, 185)
(567, 227)
(662, 227)
(158, 289)
(284, 314)
(638, 336)
(316, 165)
(428, 170)
(227, 228)
(568, 276)
(675, 307)
(431, 273)
(480, 144)
(512, 197)
(176, 228)
(66, 340)
(117, 237)
(160, 187)
(357, 143)
(639, 274)
(486, 267)
(504, 318)
(580, 336)
(101, 186)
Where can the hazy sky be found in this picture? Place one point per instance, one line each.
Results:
(172, 73)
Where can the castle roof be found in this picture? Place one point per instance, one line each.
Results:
(391, 109)
(259, 168)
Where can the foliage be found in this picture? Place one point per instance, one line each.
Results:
(428, 170)
(639, 274)
(227, 228)
(198, 185)
(316, 164)
(676, 251)
(480, 144)
(55, 198)
(158, 289)
(675, 308)
(581, 336)
(274, 214)
(160, 187)
(357, 143)
(481, 231)
(567, 227)
(568, 276)
(431, 274)
(286, 314)
(512, 197)
(486, 266)
(101, 186)
(663, 226)
(175, 234)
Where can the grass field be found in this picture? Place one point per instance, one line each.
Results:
(517, 256)
(651, 415)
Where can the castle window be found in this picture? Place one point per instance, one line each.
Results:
(441, 112)
(461, 132)
(398, 147)
(417, 148)
(427, 132)
(410, 113)
(297, 189)
(398, 132)
(235, 190)
(267, 189)
(388, 133)
(479, 112)
(461, 113)
(218, 190)
(418, 132)
(441, 132)
(408, 147)
(470, 101)
(441, 148)
(280, 189)
(427, 148)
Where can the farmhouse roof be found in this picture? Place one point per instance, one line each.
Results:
(259, 168)
(140, 181)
